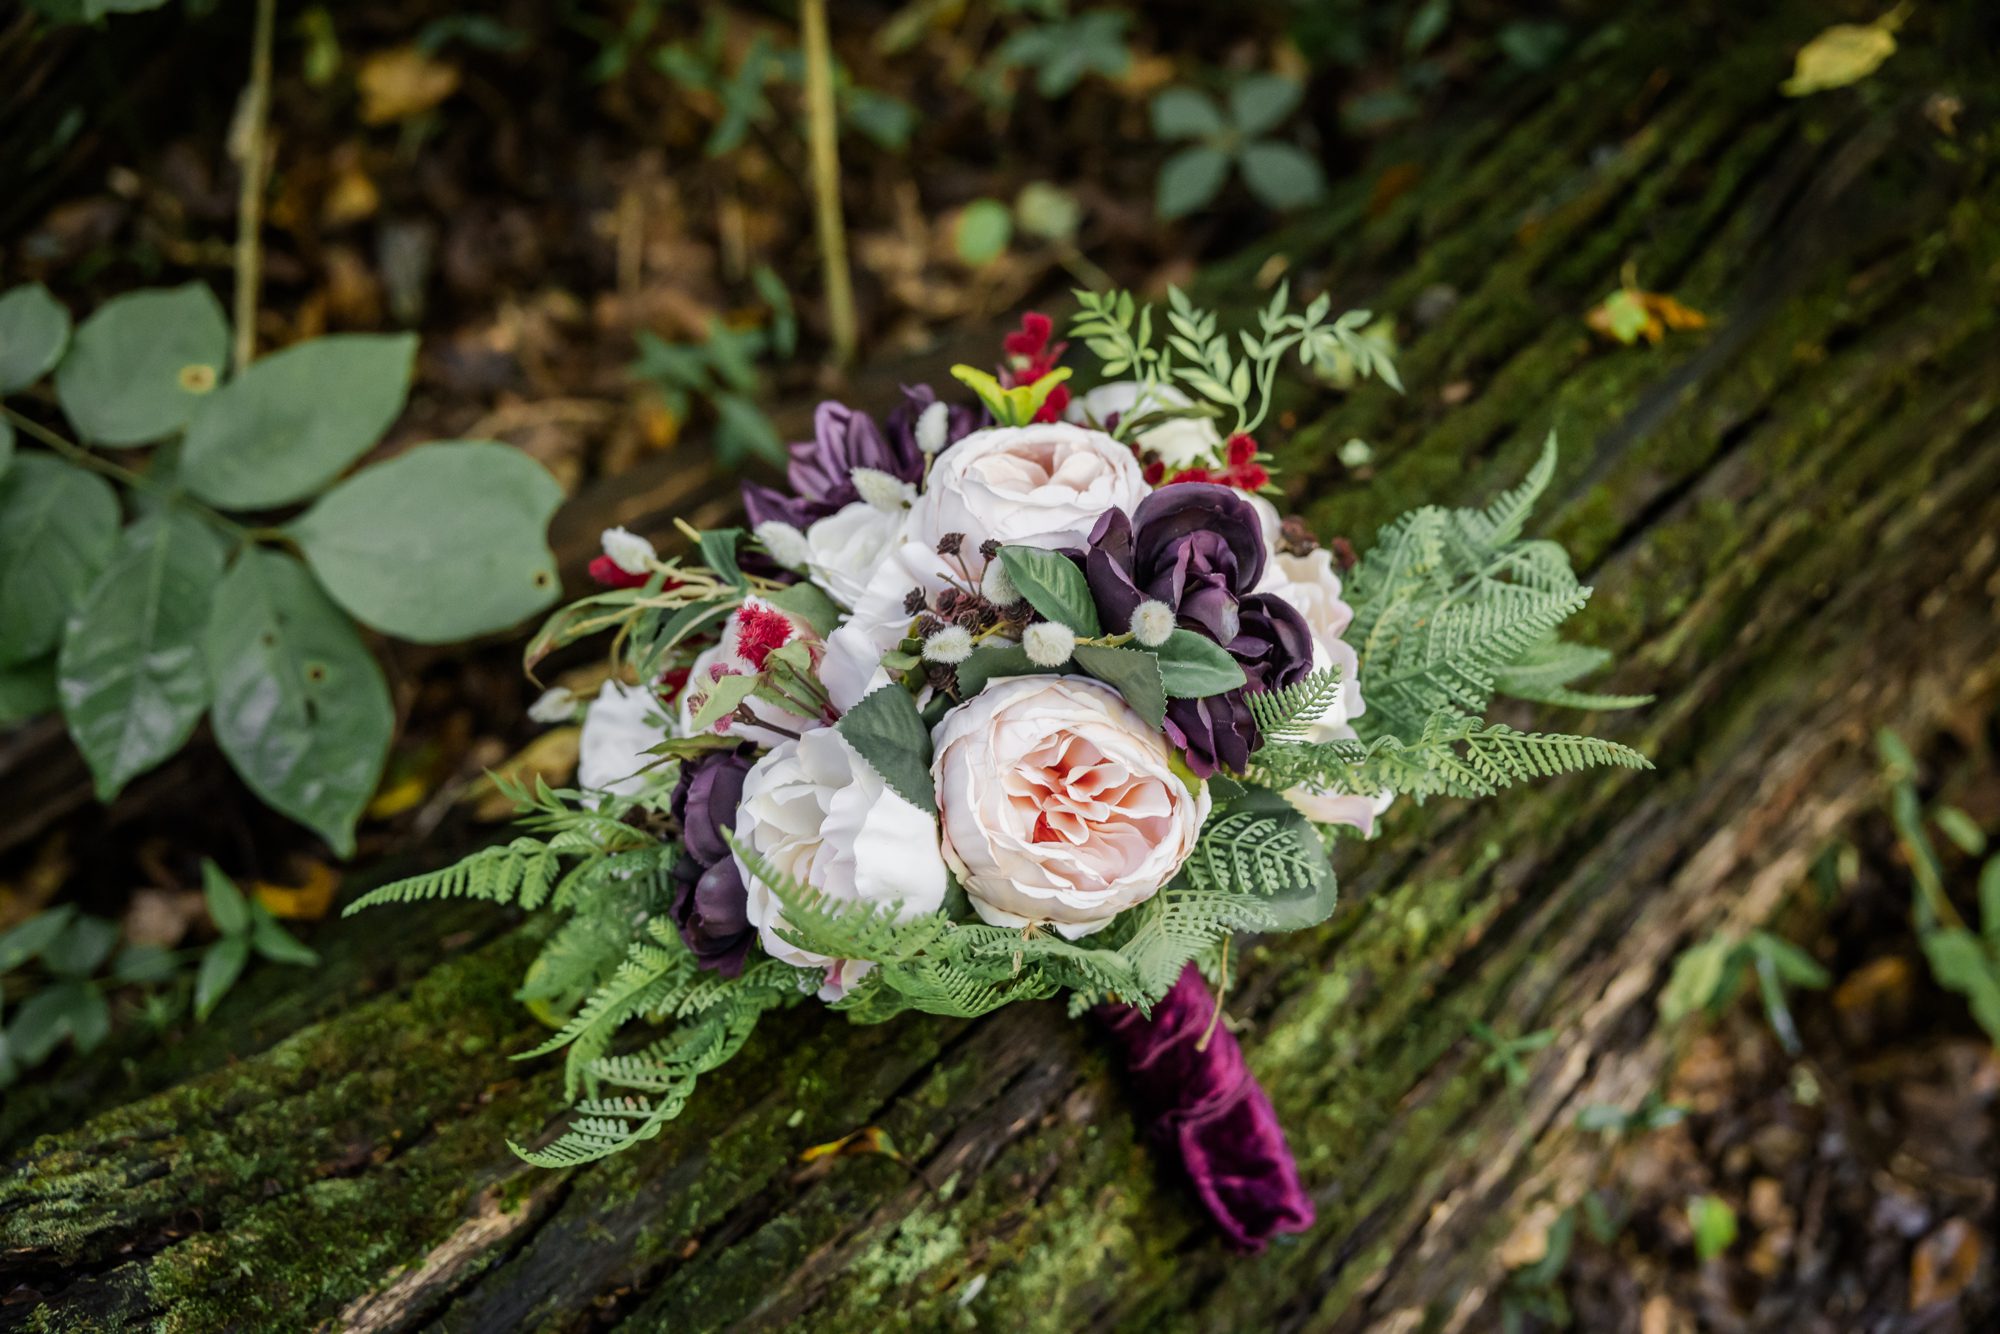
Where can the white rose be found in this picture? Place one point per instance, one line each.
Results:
(628, 551)
(1032, 486)
(853, 663)
(1184, 442)
(845, 549)
(1059, 804)
(621, 725)
(819, 813)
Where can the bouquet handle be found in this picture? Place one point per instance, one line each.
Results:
(1198, 1097)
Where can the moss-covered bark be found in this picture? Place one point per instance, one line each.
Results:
(1790, 521)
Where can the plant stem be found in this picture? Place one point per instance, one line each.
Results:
(138, 481)
(824, 140)
(248, 145)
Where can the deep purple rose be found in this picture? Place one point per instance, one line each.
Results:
(821, 471)
(709, 894)
(1196, 547)
(1274, 648)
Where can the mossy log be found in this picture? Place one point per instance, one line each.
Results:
(1792, 520)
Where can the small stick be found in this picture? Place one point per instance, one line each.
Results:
(823, 131)
(248, 146)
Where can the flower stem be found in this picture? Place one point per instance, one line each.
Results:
(248, 147)
(138, 481)
(823, 132)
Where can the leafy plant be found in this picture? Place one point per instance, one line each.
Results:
(721, 372)
(247, 927)
(1279, 174)
(1064, 51)
(210, 601)
(1504, 1054)
(1964, 961)
(1710, 975)
(1714, 1224)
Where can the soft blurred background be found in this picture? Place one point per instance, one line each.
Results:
(1720, 1056)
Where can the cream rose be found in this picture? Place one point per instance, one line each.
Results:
(1032, 486)
(622, 724)
(1059, 804)
(844, 550)
(1183, 442)
(817, 811)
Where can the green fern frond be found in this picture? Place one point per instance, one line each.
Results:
(1288, 713)
(522, 871)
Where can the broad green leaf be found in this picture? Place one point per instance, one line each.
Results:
(52, 1014)
(1260, 103)
(1282, 176)
(439, 544)
(1794, 966)
(1133, 673)
(294, 421)
(719, 699)
(130, 672)
(1190, 179)
(143, 363)
(1714, 1225)
(1961, 964)
(58, 527)
(34, 330)
(78, 951)
(718, 552)
(743, 431)
(1697, 977)
(221, 965)
(31, 937)
(1961, 829)
(809, 604)
(27, 690)
(274, 942)
(298, 704)
(1194, 666)
(1054, 587)
(890, 734)
(991, 662)
(144, 964)
(1186, 113)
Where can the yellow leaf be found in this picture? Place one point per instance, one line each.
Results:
(551, 756)
(402, 794)
(304, 902)
(401, 83)
(1845, 53)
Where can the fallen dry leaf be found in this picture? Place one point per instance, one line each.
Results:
(1944, 1264)
(1629, 314)
(551, 756)
(306, 901)
(401, 83)
(1529, 1241)
(1845, 53)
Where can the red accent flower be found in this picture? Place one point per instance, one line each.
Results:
(671, 683)
(1054, 405)
(760, 631)
(1030, 356)
(1153, 472)
(605, 571)
(1196, 474)
(1240, 450)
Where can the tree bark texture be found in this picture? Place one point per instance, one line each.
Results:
(1792, 520)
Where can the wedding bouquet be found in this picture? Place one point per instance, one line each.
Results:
(1031, 695)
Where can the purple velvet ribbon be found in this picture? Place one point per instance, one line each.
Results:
(1207, 1106)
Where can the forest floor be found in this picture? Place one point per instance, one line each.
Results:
(532, 191)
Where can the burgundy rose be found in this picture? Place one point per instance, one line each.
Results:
(709, 894)
(1275, 649)
(1198, 548)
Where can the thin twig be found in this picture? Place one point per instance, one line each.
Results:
(138, 481)
(823, 133)
(248, 146)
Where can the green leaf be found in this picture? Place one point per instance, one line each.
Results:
(294, 421)
(221, 965)
(1133, 673)
(720, 698)
(890, 734)
(438, 544)
(1794, 966)
(34, 330)
(58, 528)
(130, 672)
(809, 604)
(982, 231)
(77, 952)
(1259, 846)
(1714, 1224)
(299, 705)
(1961, 829)
(143, 363)
(1186, 113)
(1054, 587)
(1961, 964)
(143, 965)
(743, 431)
(27, 690)
(1989, 903)
(66, 1010)
(1190, 179)
(274, 942)
(994, 660)
(718, 552)
(1697, 977)
(1193, 666)
(1282, 176)
(227, 907)
(1260, 103)
(6, 445)
(31, 937)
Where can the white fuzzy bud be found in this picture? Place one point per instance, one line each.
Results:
(950, 646)
(883, 490)
(931, 425)
(1048, 643)
(997, 586)
(557, 705)
(1152, 622)
(629, 551)
(786, 544)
